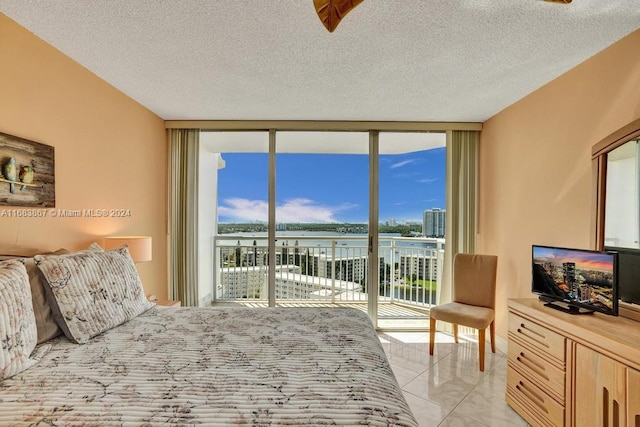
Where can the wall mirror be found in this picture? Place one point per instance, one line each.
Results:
(616, 170)
(622, 187)
(616, 213)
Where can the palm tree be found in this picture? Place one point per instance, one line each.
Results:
(238, 255)
(255, 253)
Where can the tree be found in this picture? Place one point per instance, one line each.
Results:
(255, 253)
(238, 255)
(285, 254)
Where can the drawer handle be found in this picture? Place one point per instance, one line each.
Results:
(535, 367)
(530, 333)
(532, 396)
(605, 407)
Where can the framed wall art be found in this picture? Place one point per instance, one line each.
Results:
(27, 173)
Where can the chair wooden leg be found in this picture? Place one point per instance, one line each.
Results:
(432, 334)
(455, 333)
(481, 337)
(492, 331)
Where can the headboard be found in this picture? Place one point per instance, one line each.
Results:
(9, 250)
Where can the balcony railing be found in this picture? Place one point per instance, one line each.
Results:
(328, 269)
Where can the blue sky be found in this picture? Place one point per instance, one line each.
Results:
(330, 187)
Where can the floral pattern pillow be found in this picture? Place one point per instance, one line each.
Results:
(18, 332)
(91, 292)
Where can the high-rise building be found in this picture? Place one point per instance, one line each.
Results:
(433, 222)
(424, 266)
(569, 273)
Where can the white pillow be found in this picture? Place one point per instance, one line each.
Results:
(18, 332)
(91, 292)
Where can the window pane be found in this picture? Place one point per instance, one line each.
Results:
(322, 188)
(241, 197)
(412, 180)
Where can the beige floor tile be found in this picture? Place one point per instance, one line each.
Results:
(448, 390)
(455, 420)
(427, 413)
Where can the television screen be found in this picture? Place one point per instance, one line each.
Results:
(579, 278)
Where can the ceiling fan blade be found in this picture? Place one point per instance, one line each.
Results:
(331, 12)
(559, 1)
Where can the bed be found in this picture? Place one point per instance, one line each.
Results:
(200, 366)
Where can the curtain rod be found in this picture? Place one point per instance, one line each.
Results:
(309, 125)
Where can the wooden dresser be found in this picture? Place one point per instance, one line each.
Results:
(572, 370)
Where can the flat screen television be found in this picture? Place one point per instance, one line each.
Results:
(577, 281)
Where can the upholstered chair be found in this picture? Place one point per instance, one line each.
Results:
(474, 300)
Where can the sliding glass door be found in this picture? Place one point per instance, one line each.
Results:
(321, 217)
(329, 217)
(240, 196)
(411, 206)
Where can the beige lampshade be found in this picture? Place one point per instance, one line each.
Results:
(139, 246)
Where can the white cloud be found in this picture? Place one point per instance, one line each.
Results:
(244, 210)
(292, 210)
(426, 180)
(402, 163)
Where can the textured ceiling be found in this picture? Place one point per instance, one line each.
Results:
(397, 60)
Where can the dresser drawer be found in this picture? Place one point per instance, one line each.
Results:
(548, 377)
(539, 337)
(534, 401)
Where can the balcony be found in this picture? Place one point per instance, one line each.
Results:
(332, 270)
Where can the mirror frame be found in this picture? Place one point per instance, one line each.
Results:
(599, 154)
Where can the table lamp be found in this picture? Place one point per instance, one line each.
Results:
(139, 246)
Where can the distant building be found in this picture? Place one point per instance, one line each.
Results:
(569, 276)
(585, 293)
(244, 271)
(352, 268)
(251, 283)
(433, 223)
(294, 286)
(422, 265)
(248, 282)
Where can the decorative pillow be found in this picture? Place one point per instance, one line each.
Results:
(91, 292)
(45, 322)
(18, 334)
(46, 325)
(95, 247)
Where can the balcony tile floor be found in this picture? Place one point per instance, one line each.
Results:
(448, 389)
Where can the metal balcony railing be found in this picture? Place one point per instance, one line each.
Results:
(328, 269)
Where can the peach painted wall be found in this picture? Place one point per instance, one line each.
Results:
(535, 163)
(110, 151)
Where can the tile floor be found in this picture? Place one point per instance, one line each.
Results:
(448, 389)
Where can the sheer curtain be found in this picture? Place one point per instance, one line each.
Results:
(460, 232)
(183, 215)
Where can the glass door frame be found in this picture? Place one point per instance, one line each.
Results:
(373, 269)
(271, 242)
(373, 128)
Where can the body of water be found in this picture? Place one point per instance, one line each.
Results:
(310, 238)
(347, 244)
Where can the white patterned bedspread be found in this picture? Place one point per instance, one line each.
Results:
(214, 366)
